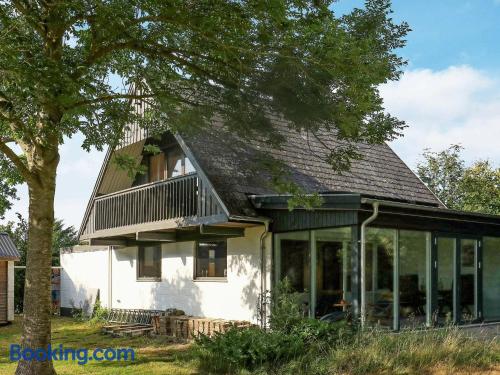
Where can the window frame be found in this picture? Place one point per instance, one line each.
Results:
(195, 262)
(138, 267)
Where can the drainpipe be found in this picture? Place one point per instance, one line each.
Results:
(110, 277)
(263, 285)
(266, 222)
(363, 261)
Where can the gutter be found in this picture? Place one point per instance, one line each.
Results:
(363, 260)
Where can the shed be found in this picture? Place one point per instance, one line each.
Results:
(8, 255)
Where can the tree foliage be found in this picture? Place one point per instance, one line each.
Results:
(63, 66)
(475, 188)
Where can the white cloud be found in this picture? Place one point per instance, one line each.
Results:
(458, 105)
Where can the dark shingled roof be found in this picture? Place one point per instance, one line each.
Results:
(8, 250)
(232, 166)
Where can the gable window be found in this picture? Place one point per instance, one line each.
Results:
(157, 167)
(149, 263)
(211, 259)
(177, 163)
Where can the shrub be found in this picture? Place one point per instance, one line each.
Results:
(291, 336)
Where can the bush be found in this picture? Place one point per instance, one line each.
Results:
(291, 336)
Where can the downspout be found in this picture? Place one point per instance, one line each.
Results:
(110, 277)
(263, 274)
(363, 261)
(266, 222)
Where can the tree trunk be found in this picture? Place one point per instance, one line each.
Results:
(37, 293)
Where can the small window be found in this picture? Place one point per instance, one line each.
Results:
(149, 263)
(211, 259)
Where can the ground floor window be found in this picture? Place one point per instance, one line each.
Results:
(149, 262)
(379, 273)
(491, 278)
(414, 249)
(211, 259)
(333, 271)
(412, 278)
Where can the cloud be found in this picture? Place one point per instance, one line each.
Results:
(457, 105)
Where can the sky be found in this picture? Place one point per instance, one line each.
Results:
(449, 94)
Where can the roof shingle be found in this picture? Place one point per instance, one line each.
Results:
(234, 168)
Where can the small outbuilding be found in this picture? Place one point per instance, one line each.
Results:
(8, 255)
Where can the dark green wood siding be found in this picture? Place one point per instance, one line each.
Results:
(284, 220)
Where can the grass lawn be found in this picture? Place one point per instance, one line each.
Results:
(156, 355)
(433, 352)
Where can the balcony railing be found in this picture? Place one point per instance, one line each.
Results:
(175, 198)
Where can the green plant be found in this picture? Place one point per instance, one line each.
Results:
(291, 336)
(100, 314)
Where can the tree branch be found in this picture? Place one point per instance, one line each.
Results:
(15, 159)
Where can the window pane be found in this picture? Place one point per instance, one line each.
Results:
(293, 262)
(413, 250)
(379, 275)
(211, 259)
(189, 167)
(149, 262)
(468, 279)
(174, 163)
(445, 269)
(333, 271)
(491, 278)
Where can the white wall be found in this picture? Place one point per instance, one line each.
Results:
(235, 298)
(10, 291)
(84, 272)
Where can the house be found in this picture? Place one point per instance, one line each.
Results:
(8, 255)
(204, 231)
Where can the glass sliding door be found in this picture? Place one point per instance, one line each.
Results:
(333, 271)
(468, 280)
(446, 248)
(414, 249)
(491, 278)
(292, 260)
(379, 272)
(457, 271)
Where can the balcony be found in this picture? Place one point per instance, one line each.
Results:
(172, 203)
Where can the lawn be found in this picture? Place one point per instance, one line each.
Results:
(432, 352)
(157, 355)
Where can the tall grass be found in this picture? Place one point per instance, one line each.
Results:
(448, 350)
(297, 345)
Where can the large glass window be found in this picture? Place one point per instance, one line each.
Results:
(211, 259)
(413, 252)
(491, 278)
(468, 258)
(379, 275)
(149, 262)
(445, 275)
(293, 262)
(333, 271)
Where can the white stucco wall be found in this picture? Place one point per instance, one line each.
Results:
(84, 272)
(10, 291)
(235, 299)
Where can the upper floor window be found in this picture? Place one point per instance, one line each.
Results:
(149, 263)
(211, 259)
(171, 162)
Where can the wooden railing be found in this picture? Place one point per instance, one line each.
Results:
(178, 197)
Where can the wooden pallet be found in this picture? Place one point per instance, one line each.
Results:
(127, 322)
